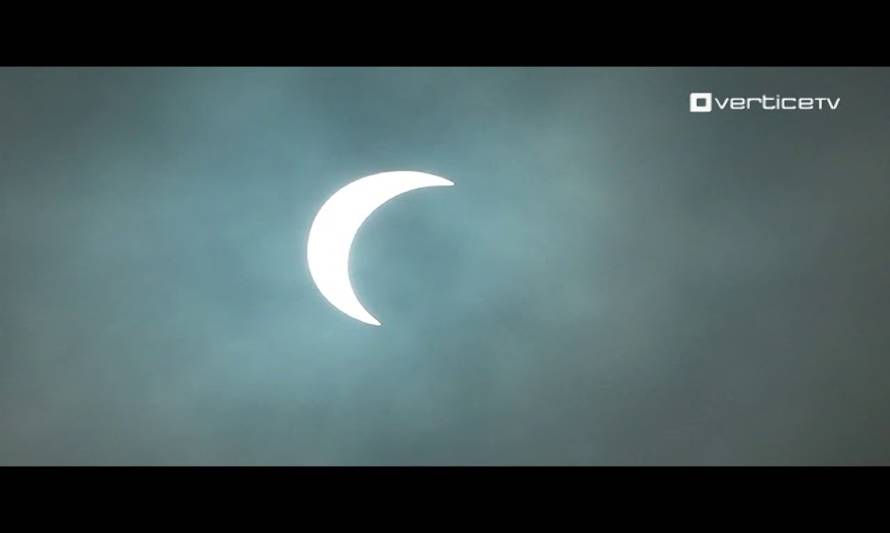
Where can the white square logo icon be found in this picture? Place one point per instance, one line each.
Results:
(699, 102)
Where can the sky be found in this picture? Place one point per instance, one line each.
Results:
(612, 280)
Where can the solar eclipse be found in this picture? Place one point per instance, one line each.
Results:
(335, 227)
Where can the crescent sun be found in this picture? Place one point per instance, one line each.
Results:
(337, 222)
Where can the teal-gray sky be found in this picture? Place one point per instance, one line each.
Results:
(612, 280)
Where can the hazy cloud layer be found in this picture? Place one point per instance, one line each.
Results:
(612, 280)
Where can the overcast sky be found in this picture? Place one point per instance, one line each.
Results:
(611, 280)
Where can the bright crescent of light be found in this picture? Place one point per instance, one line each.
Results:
(337, 222)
